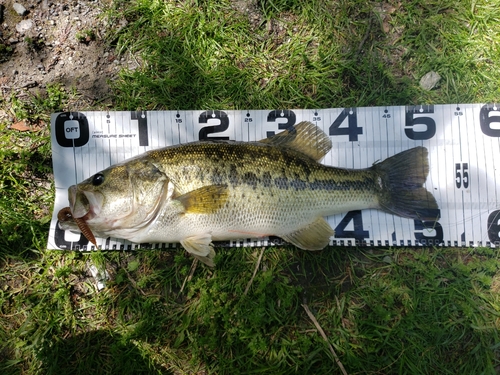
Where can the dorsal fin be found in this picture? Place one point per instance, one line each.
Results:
(304, 137)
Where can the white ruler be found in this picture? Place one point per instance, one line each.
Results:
(464, 157)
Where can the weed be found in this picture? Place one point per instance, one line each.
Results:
(85, 36)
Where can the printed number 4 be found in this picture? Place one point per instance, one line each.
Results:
(462, 175)
(358, 233)
(352, 129)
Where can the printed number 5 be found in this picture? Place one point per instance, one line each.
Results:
(419, 128)
(462, 175)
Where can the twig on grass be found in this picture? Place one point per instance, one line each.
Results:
(254, 272)
(191, 273)
(365, 37)
(322, 333)
(132, 281)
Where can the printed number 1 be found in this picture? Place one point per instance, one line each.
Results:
(142, 126)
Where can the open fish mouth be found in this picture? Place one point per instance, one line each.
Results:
(84, 204)
(64, 216)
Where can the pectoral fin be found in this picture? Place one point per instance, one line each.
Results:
(314, 236)
(205, 200)
(200, 247)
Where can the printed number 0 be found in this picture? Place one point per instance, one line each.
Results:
(494, 226)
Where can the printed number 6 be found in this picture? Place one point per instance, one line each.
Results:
(486, 120)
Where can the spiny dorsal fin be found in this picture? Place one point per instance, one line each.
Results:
(304, 137)
(205, 200)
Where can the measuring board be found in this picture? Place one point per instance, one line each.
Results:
(464, 157)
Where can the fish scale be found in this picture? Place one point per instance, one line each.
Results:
(316, 189)
(208, 191)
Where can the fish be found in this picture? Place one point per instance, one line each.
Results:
(216, 190)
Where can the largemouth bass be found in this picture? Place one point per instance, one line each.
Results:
(206, 191)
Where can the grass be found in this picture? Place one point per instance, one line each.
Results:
(384, 311)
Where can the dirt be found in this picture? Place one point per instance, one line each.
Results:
(67, 42)
(60, 42)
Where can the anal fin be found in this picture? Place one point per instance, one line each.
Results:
(314, 236)
(200, 247)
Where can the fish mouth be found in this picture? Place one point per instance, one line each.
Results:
(84, 204)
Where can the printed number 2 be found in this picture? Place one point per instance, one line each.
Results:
(352, 129)
(210, 129)
(462, 175)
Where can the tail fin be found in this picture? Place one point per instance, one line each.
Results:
(400, 179)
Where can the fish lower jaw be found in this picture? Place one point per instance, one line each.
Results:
(136, 235)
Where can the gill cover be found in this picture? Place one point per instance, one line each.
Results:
(124, 196)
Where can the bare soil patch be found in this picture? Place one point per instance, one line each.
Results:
(57, 42)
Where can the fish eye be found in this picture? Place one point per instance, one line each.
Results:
(98, 179)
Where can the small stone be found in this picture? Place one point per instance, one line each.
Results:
(24, 26)
(430, 80)
(21, 10)
(387, 259)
